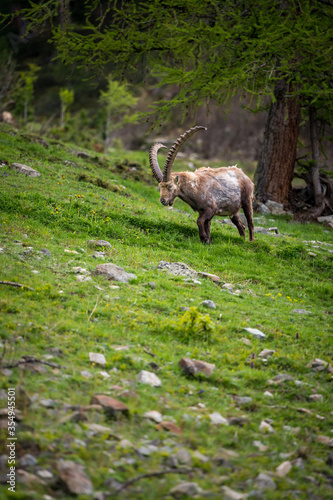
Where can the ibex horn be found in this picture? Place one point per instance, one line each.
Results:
(155, 168)
(175, 148)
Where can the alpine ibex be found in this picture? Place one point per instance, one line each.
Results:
(209, 191)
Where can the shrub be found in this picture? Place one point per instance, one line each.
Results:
(193, 326)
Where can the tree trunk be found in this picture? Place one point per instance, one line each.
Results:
(277, 158)
(318, 193)
(107, 132)
(25, 112)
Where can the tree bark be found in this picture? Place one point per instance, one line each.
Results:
(276, 163)
(318, 193)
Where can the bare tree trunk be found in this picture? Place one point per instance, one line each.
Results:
(62, 114)
(318, 193)
(25, 112)
(107, 133)
(277, 158)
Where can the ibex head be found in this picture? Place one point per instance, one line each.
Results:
(169, 187)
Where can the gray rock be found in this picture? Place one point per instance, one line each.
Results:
(255, 332)
(326, 220)
(183, 456)
(113, 272)
(24, 169)
(275, 208)
(301, 311)
(99, 243)
(74, 477)
(262, 208)
(177, 269)
(148, 378)
(265, 353)
(46, 252)
(99, 255)
(265, 482)
(152, 285)
(195, 366)
(96, 357)
(243, 400)
(209, 303)
(217, 419)
(27, 461)
(186, 489)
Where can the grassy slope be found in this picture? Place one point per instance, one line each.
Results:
(275, 275)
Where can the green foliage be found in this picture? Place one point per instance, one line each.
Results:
(66, 98)
(25, 90)
(117, 100)
(193, 326)
(207, 50)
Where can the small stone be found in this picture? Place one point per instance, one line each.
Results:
(194, 366)
(152, 285)
(266, 427)
(264, 482)
(283, 377)
(177, 269)
(260, 446)
(183, 456)
(48, 403)
(99, 255)
(301, 311)
(99, 243)
(246, 341)
(116, 273)
(148, 378)
(27, 461)
(243, 400)
(46, 252)
(212, 277)
(86, 374)
(209, 303)
(217, 419)
(96, 357)
(316, 397)
(284, 468)
(255, 332)
(228, 286)
(230, 494)
(105, 375)
(275, 208)
(125, 443)
(74, 477)
(154, 415)
(169, 426)
(27, 478)
(266, 353)
(111, 406)
(24, 169)
(45, 474)
(199, 456)
(325, 440)
(268, 394)
(186, 489)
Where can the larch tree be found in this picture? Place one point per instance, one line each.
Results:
(277, 52)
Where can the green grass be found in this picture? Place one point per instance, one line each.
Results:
(59, 212)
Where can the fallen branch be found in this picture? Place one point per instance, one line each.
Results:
(152, 474)
(31, 359)
(13, 283)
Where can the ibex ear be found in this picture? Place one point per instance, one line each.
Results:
(176, 179)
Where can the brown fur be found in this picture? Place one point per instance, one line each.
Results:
(218, 191)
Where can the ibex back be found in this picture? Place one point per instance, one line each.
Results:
(209, 191)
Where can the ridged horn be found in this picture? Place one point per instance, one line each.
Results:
(155, 168)
(175, 148)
